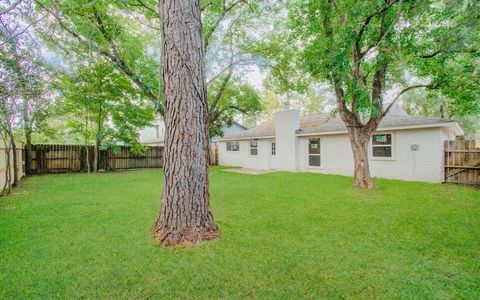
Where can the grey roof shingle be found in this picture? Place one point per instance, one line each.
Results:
(322, 123)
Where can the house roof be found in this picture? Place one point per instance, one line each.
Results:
(326, 124)
(239, 125)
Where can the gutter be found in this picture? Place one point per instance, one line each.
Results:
(456, 128)
(269, 137)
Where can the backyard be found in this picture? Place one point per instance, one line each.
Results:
(283, 235)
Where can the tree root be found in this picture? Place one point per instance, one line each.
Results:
(186, 237)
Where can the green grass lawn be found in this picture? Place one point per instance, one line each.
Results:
(283, 236)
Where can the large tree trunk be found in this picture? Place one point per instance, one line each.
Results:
(14, 159)
(28, 151)
(359, 139)
(185, 216)
(27, 128)
(6, 186)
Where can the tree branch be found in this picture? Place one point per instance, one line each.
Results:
(140, 3)
(218, 96)
(23, 30)
(238, 109)
(10, 8)
(370, 17)
(228, 67)
(115, 57)
(347, 116)
(441, 51)
(222, 16)
(382, 35)
(404, 91)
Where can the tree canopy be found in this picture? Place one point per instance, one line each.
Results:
(373, 52)
(102, 105)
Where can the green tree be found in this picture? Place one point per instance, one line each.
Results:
(126, 34)
(103, 107)
(364, 48)
(24, 78)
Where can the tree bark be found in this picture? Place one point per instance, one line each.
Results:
(359, 139)
(185, 216)
(6, 186)
(27, 129)
(28, 151)
(14, 157)
(359, 135)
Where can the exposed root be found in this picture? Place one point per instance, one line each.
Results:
(364, 184)
(187, 237)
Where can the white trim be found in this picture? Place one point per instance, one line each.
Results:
(226, 146)
(444, 124)
(246, 138)
(393, 145)
(316, 168)
(250, 149)
(319, 154)
(457, 129)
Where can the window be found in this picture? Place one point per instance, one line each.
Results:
(382, 145)
(157, 131)
(314, 152)
(233, 146)
(253, 148)
(274, 148)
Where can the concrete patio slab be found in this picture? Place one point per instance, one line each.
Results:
(248, 171)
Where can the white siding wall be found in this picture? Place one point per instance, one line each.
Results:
(243, 158)
(150, 135)
(426, 164)
(335, 155)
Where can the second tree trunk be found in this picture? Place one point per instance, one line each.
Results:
(361, 173)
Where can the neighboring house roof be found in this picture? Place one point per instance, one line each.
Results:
(148, 134)
(238, 124)
(326, 124)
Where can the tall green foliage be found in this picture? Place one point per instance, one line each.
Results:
(127, 35)
(372, 52)
(353, 44)
(103, 106)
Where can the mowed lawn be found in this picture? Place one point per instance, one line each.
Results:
(284, 236)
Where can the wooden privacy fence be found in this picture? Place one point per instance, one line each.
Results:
(79, 158)
(110, 160)
(462, 162)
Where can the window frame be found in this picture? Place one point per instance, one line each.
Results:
(254, 148)
(231, 148)
(314, 154)
(391, 145)
(274, 148)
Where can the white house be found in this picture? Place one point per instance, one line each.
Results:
(404, 147)
(154, 135)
